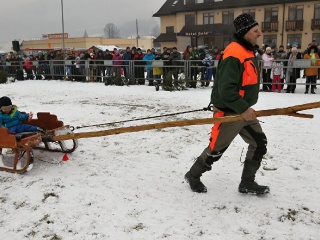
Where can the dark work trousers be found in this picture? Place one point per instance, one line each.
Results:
(223, 134)
(267, 81)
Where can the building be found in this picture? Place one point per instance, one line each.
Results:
(83, 43)
(209, 22)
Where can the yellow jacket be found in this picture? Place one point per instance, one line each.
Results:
(312, 71)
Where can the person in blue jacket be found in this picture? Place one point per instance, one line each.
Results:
(12, 118)
(149, 57)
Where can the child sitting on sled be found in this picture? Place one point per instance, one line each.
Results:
(12, 118)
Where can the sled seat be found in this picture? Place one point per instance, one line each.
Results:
(21, 145)
(19, 136)
(53, 127)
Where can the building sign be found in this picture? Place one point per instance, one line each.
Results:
(203, 33)
(54, 36)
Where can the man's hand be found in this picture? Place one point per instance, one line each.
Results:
(248, 115)
(30, 116)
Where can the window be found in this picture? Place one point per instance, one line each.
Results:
(270, 40)
(252, 12)
(316, 36)
(209, 41)
(226, 41)
(294, 39)
(317, 11)
(190, 19)
(170, 29)
(189, 2)
(227, 17)
(271, 14)
(295, 13)
(208, 18)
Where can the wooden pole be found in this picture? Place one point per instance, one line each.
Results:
(290, 111)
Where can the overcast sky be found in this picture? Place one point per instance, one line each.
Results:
(26, 19)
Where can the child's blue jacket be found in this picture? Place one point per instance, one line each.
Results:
(12, 119)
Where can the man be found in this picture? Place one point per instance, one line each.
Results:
(59, 66)
(109, 66)
(175, 62)
(235, 91)
(165, 56)
(127, 58)
(139, 66)
(283, 54)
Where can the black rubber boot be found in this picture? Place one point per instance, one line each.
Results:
(312, 89)
(307, 90)
(194, 174)
(247, 184)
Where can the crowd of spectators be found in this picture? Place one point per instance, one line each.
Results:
(282, 68)
(279, 67)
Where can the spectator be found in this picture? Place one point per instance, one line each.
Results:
(148, 58)
(312, 73)
(175, 61)
(117, 63)
(139, 66)
(58, 66)
(126, 62)
(27, 65)
(184, 56)
(276, 74)
(192, 56)
(208, 63)
(100, 65)
(157, 70)
(216, 55)
(292, 73)
(109, 68)
(165, 57)
(267, 63)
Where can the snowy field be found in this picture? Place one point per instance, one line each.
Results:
(131, 186)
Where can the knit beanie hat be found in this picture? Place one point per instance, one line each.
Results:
(5, 101)
(243, 23)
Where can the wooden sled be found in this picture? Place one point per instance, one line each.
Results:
(20, 157)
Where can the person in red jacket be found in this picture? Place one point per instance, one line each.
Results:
(139, 67)
(27, 65)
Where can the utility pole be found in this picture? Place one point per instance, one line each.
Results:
(62, 27)
(137, 33)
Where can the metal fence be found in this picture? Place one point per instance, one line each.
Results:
(134, 71)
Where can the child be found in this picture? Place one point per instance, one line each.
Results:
(208, 62)
(276, 74)
(11, 118)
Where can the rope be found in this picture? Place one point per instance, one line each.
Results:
(209, 108)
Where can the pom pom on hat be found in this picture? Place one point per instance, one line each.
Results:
(243, 23)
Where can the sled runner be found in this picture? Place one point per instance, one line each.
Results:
(19, 157)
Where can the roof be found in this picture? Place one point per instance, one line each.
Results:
(207, 30)
(166, 37)
(105, 47)
(172, 7)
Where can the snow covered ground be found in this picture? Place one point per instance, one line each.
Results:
(131, 186)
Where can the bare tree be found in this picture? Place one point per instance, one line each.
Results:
(111, 31)
(156, 30)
